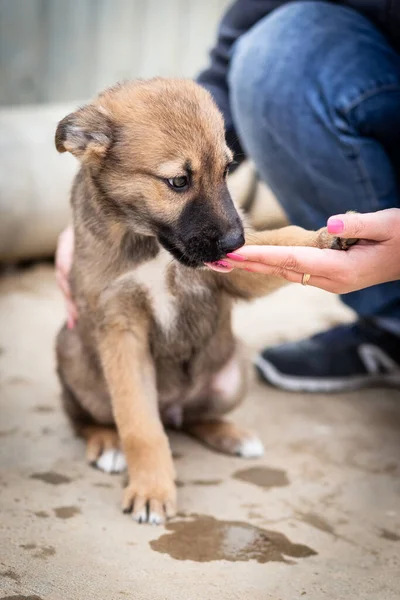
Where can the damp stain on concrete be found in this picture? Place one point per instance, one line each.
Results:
(41, 514)
(51, 477)
(19, 597)
(43, 408)
(46, 431)
(389, 535)
(45, 552)
(7, 432)
(253, 514)
(316, 521)
(102, 485)
(226, 540)
(66, 512)
(17, 381)
(204, 482)
(263, 477)
(10, 574)
(41, 551)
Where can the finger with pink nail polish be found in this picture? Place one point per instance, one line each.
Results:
(335, 225)
(235, 256)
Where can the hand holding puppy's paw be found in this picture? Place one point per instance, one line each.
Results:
(333, 242)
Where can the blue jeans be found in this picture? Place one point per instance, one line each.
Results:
(315, 97)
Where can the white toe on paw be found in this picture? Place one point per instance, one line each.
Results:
(111, 461)
(119, 462)
(140, 517)
(155, 519)
(251, 448)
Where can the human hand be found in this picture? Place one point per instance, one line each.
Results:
(64, 256)
(375, 259)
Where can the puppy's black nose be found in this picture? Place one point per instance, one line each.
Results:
(231, 241)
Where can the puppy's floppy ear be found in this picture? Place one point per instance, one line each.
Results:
(86, 133)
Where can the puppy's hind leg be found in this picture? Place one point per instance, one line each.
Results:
(103, 448)
(205, 421)
(86, 404)
(226, 437)
(102, 443)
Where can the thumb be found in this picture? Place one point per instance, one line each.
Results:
(376, 226)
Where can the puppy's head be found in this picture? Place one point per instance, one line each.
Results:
(156, 153)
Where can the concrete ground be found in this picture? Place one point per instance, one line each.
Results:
(317, 517)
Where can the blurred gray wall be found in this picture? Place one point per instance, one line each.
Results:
(55, 54)
(66, 50)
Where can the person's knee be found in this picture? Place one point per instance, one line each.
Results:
(266, 69)
(302, 56)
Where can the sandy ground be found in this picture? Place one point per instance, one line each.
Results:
(317, 517)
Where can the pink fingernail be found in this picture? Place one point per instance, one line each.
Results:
(235, 256)
(335, 225)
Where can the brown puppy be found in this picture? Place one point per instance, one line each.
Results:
(153, 344)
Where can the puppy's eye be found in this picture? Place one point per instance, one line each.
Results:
(179, 183)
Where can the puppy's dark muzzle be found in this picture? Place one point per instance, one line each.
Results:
(201, 235)
(210, 248)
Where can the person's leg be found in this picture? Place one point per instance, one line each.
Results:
(315, 95)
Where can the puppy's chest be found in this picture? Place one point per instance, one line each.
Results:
(174, 294)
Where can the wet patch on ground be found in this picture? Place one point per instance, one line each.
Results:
(10, 574)
(44, 552)
(7, 432)
(19, 597)
(389, 535)
(205, 482)
(102, 485)
(43, 408)
(316, 521)
(17, 381)
(41, 551)
(51, 477)
(66, 512)
(226, 540)
(253, 514)
(263, 477)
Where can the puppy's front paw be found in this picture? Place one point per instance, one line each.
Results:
(151, 493)
(151, 498)
(327, 240)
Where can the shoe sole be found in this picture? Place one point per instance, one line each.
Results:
(291, 383)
